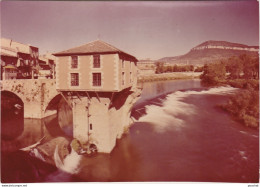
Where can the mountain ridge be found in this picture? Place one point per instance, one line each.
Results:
(211, 51)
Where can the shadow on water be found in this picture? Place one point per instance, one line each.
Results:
(12, 112)
(20, 167)
(16, 133)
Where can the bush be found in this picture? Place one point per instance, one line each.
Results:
(245, 84)
(244, 106)
(214, 74)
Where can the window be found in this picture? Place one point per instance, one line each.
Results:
(123, 78)
(96, 79)
(74, 62)
(22, 62)
(96, 61)
(123, 63)
(74, 79)
(130, 77)
(90, 126)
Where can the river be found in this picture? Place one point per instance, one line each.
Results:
(180, 134)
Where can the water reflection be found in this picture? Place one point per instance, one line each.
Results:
(34, 130)
(160, 88)
(11, 116)
(121, 165)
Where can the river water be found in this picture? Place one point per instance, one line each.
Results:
(180, 134)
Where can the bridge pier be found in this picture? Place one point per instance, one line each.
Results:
(101, 120)
(98, 118)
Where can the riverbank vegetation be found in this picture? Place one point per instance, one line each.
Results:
(162, 68)
(239, 72)
(168, 76)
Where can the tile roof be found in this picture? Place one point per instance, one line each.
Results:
(6, 54)
(96, 46)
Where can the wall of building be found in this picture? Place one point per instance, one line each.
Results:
(107, 123)
(128, 67)
(85, 70)
(110, 69)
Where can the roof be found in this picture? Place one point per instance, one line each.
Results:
(11, 41)
(9, 55)
(96, 46)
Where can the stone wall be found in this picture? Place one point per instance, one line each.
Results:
(101, 119)
(35, 94)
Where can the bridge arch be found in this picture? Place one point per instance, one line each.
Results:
(52, 104)
(12, 115)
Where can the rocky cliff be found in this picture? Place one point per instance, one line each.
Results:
(212, 51)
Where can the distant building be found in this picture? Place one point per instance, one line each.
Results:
(23, 58)
(44, 71)
(47, 66)
(146, 67)
(95, 66)
(8, 63)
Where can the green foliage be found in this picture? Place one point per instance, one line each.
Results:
(235, 67)
(213, 74)
(199, 69)
(243, 73)
(244, 84)
(242, 67)
(244, 106)
(250, 67)
(161, 68)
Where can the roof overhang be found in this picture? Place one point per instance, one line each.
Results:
(94, 53)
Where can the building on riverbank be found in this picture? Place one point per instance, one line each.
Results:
(22, 57)
(47, 66)
(98, 84)
(96, 66)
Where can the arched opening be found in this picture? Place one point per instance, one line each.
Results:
(12, 115)
(52, 106)
(63, 118)
(51, 119)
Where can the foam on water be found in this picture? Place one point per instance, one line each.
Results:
(37, 154)
(69, 164)
(166, 116)
(30, 147)
(242, 154)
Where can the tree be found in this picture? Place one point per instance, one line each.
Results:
(251, 67)
(234, 67)
(159, 67)
(213, 73)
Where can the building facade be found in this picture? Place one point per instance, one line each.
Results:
(22, 56)
(96, 66)
(98, 83)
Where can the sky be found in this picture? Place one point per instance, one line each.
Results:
(143, 29)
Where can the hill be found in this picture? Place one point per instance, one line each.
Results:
(212, 51)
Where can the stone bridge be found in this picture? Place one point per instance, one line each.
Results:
(36, 95)
(96, 118)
